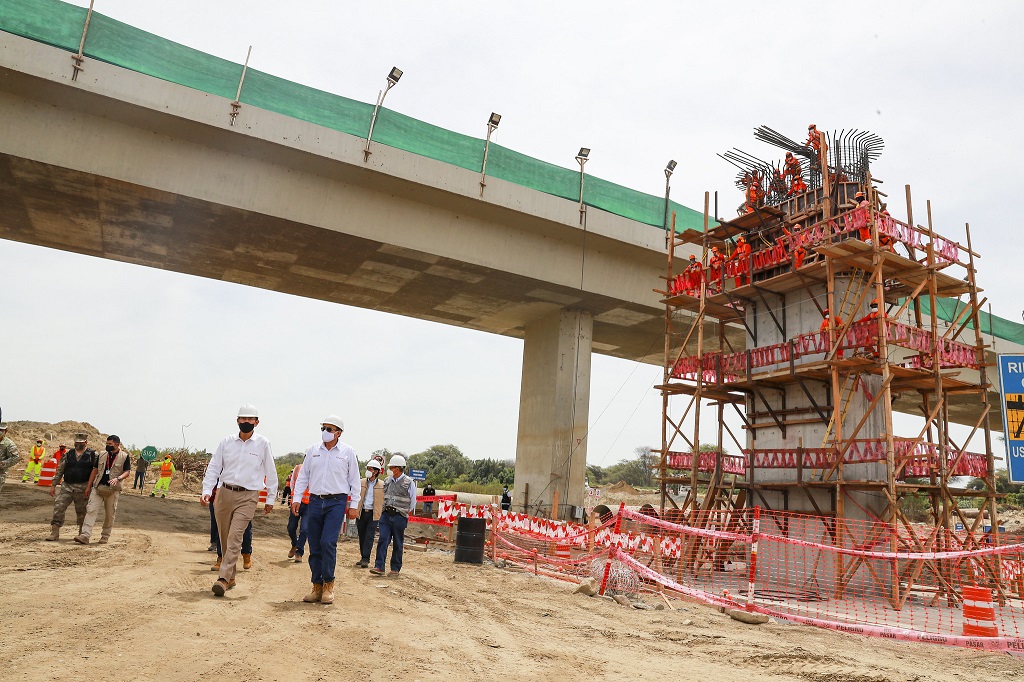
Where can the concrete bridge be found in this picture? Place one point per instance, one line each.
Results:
(124, 166)
(120, 165)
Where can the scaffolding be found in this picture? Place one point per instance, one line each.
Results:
(816, 393)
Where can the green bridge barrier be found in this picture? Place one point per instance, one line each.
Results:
(59, 24)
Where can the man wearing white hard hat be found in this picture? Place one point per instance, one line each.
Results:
(243, 464)
(331, 473)
(399, 502)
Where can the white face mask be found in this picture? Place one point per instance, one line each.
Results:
(327, 436)
(370, 473)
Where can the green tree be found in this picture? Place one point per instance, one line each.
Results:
(1002, 480)
(636, 471)
(444, 463)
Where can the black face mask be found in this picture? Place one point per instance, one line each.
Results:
(80, 447)
(110, 449)
(246, 427)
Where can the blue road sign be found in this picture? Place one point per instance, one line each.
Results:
(418, 474)
(1011, 391)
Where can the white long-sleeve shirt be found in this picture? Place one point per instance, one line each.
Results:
(246, 463)
(330, 472)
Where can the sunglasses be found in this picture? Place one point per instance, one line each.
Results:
(330, 429)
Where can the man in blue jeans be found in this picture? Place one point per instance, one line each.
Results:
(399, 502)
(330, 472)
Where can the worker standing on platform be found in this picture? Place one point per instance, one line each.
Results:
(8, 453)
(797, 251)
(715, 263)
(837, 322)
(692, 276)
(163, 484)
(742, 257)
(870, 349)
(35, 462)
(813, 138)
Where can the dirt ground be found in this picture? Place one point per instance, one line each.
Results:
(141, 608)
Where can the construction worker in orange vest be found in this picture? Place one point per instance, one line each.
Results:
(837, 322)
(35, 462)
(164, 482)
(715, 263)
(813, 141)
(778, 186)
(796, 250)
(692, 276)
(864, 231)
(60, 452)
(797, 186)
(792, 166)
(870, 349)
(742, 257)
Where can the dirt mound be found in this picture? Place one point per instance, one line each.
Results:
(25, 433)
(621, 487)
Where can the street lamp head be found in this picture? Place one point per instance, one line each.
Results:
(395, 74)
(584, 153)
(670, 167)
(494, 120)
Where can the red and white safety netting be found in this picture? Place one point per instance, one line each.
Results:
(912, 583)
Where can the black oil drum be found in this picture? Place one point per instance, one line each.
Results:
(469, 541)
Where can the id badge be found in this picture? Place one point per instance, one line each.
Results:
(107, 472)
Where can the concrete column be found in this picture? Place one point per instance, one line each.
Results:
(554, 407)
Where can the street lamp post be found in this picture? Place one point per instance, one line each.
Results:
(581, 158)
(393, 77)
(183, 427)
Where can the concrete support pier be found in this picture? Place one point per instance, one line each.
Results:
(554, 408)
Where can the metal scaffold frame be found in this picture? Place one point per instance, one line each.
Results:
(808, 243)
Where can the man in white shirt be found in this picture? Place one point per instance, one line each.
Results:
(243, 464)
(331, 473)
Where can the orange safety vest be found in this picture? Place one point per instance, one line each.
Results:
(291, 484)
(37, 453)
(166, 469)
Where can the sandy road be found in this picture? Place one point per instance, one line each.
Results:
(141, 608)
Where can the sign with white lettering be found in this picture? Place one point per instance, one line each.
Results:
(1011, 391)
(418, 474)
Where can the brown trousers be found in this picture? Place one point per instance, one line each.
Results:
(105, 497)
(233, 511)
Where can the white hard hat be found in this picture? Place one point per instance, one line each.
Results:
(333, 420)
(248, 411)
(397, 461)
(374, 464)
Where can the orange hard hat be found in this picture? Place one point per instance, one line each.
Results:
(714, 248)
(789, 155)
(811, 126)
(874, 302)
(742, 239)
(693, 257)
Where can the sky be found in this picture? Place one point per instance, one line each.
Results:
(166, 359)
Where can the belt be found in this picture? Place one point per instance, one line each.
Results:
(236, 488)
(329, 496)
